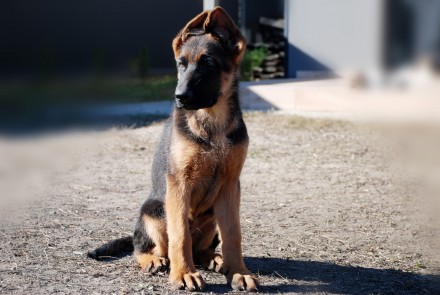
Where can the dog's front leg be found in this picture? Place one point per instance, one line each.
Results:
(227, 213)
(182, 271)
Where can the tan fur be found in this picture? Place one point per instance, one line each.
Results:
(149, 262)
(156, 230)
(180, 252)
(192, 166)
(183, 34)
(203, 232)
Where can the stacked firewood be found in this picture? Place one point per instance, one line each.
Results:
(275, 45)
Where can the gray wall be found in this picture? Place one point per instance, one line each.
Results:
(76, 34)
(325, 35)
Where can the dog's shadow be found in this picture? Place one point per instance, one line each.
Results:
(292, 276)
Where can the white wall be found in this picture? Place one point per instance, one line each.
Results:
(337, 35)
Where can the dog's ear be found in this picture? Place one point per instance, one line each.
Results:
(220, 24)
(193, 27)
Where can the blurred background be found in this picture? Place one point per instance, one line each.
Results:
(78, 77)
(52, 39)
(69, 53)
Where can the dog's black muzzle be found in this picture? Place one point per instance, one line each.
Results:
(185, 101)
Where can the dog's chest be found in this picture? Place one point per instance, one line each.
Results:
(202, 170)
(198, 164)
(206, 176)
(202, 165)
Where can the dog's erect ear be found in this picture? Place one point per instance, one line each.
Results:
(194, 25)
(218, 23)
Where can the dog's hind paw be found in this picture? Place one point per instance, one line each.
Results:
(215, 264)
(152, 263)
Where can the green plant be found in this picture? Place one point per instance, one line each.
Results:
(105, 90)
(252, 58)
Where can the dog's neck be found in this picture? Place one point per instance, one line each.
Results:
(212, 125)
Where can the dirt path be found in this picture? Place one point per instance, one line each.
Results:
(323, 211)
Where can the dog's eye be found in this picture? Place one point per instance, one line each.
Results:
(207, 60)
(181, 63)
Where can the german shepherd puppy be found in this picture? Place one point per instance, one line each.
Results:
(195, 198)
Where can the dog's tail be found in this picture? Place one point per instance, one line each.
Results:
(113, 249)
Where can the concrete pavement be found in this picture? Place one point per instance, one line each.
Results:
(330, 98)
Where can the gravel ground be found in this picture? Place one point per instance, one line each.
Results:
(325, 210)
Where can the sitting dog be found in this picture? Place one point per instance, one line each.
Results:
(195, 198)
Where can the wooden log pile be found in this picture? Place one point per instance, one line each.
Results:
(275, 44)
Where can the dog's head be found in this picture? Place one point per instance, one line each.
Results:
(209, 46)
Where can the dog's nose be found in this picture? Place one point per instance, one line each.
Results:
(182, 97)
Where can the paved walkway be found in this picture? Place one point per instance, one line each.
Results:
(331, 98)
(334, 98)
(133, 109)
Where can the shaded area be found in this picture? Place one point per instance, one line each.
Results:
(314, 276)
(333, 278)
(299, 61)
(61, 120)
(50, 38)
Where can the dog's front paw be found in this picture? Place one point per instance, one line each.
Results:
(192, 281)
(243, 281)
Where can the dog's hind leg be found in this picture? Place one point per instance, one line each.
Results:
(205, 241)
(150, 238)
(208, 258)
